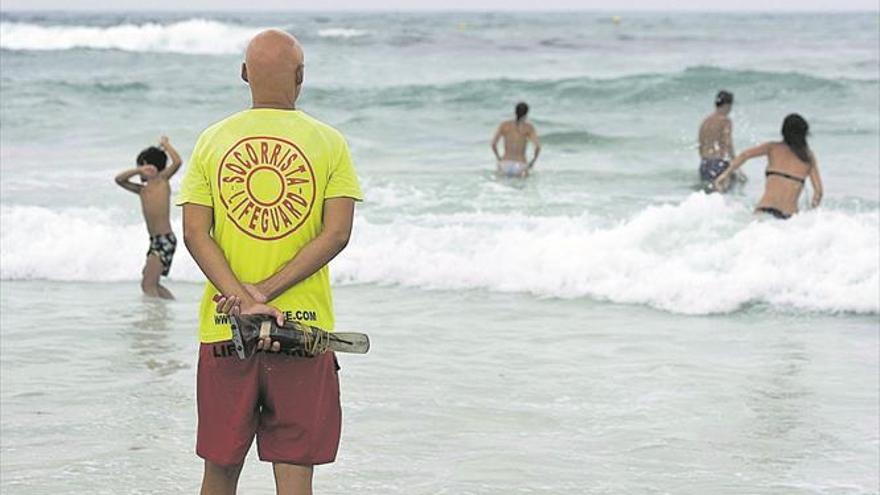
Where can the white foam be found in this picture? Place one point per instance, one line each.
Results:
(81, 244)
(342, 33)
(702, 256)
(193, 36)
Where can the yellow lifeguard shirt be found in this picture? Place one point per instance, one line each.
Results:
(266, 174)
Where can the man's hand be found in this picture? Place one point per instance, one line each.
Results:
(817, 198)
(264, 309)
(163, 141)
(233, 306)
(148, 170)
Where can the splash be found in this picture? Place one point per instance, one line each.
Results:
(700, 256)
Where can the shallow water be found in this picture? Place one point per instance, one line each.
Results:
(544, 396)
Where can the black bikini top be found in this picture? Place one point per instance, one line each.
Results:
(799, 180)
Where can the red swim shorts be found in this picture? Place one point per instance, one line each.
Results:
(290, 403)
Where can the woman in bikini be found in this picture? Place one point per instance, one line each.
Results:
(789, 163)
(517, 134)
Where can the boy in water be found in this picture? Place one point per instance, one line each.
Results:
(155, 193)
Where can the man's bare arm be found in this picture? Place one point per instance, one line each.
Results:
(123, 180)
(170, 170)
(334, 236)
(197, 223)
(495, 140)
(700, 139)
(533, 137)
(727, 140)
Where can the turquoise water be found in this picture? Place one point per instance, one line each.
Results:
(599, 328)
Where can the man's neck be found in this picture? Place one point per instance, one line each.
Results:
(276, 103)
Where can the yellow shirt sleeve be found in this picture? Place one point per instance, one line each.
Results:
(343, 181)
(196, 185)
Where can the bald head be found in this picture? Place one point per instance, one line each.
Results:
(273, 67)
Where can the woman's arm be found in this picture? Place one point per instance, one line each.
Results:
(816, 181)
(495, 139)
(756, 151)
(533, 137)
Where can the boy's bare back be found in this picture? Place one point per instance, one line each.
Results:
(155, 204)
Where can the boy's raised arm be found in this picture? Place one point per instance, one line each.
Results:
(123, 180)
(170, 170)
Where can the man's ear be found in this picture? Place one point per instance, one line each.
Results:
(244, 72)
(300, 75)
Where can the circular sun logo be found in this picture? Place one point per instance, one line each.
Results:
(267, 186)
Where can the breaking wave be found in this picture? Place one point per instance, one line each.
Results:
(704, 255)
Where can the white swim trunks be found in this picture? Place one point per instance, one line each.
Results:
(511, 168)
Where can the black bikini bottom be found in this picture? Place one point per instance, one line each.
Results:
(773, 211)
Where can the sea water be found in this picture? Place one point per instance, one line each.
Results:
(602, 327)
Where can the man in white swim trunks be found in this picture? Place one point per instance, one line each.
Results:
(517, 134)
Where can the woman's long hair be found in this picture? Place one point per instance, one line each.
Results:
(794, 134)
(521, 110)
